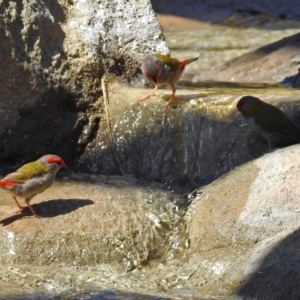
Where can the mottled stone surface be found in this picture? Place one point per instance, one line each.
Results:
(245, 224)
(87, 222)
(239, 235)
(53, 55)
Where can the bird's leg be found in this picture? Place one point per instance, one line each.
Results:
(148, 95)
(169, 104)
(166, 109)
(171, 99)
(18, 204)
(30, 207)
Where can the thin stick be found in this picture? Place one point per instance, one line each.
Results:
(108, 123)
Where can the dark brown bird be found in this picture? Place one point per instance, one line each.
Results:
(268, 121)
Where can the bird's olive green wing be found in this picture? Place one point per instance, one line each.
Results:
(173, 63)
(15, 177)
(30, 170)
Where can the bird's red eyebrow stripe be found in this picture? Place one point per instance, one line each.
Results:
(59, 161)
(53, 160)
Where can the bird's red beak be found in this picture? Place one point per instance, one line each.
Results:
(63, 164)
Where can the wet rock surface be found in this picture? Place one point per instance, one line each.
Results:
(201, 137)
(145, 232)
(217, 241)
(208, 242)
(89, 224)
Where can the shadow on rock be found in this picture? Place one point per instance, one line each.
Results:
(51, 126)
(278, 275)
(50, 209)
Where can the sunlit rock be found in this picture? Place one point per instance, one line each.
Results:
(275, 62)
(90, 221)
(241, 227)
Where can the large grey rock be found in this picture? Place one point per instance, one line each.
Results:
(244, 227)
(52, 57)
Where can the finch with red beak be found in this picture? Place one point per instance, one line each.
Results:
(163, 70)
(33, 178)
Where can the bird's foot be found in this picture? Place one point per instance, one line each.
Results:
(142, 100)
(34, 215)
(147, 96)
(19, 210)
(167, 107)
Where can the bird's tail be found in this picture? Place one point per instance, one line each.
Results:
(187, 61)
(7, 184)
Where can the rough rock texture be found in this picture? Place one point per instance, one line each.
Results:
(52, 57)
(245, 224)
(121, 33)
